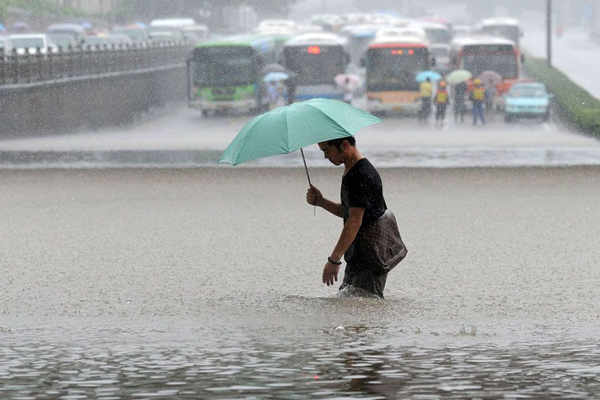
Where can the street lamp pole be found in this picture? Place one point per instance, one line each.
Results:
(549, 31)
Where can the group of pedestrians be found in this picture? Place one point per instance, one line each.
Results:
(477, 94)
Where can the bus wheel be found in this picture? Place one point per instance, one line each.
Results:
(508, 119)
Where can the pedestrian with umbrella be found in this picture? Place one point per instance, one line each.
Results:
(425, 90)
(275, 88)
(349, 84)
(441, 102)
(490, 80)
(369, 242)
(458, 79)
(459, 105)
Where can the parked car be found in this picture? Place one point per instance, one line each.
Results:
(195, 33)
(119, 39)
(64, 42)
(527, 100)
(96, 41)
(163, 36)
(137, 34)
(74, 30)
(5, 45)
(30, 43)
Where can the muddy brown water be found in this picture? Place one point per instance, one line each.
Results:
(205, 283)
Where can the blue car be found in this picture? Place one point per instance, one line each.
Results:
(527, 100)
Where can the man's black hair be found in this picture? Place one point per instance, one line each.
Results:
(338, 142)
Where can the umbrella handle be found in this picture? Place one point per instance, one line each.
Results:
(308, 176)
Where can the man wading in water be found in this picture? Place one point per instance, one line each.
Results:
(362, 204)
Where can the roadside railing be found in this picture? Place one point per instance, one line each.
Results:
(40, 66)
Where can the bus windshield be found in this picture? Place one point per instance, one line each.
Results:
(315, 65)
(504, 31)
(224, 66)
(438, 35)
(503, 64)
(391, 69)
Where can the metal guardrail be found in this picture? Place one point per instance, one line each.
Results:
(89, 61)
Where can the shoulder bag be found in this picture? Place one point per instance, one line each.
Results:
(380, 243)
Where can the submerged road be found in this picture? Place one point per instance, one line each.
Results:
(206, 283)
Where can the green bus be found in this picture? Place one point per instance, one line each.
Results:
(225, 74)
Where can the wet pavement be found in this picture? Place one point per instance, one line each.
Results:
(184, 139)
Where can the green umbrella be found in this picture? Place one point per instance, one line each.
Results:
(287, 129)
(458, 76)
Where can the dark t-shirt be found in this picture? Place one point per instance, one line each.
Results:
(362, 187)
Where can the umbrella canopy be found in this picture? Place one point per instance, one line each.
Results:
(287, 129)
(432, 75)
(20, 26)
(273, 67)
(459, 76)
(490, 78)
(275, 77)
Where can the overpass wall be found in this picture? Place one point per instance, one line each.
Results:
(88, 102)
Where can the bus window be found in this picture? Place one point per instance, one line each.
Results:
(393, 70)
(224, 66)
(503, 64)
(438, 35)
(316, 65)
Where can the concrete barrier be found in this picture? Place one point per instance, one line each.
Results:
(88, 102)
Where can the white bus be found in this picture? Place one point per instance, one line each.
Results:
(507, 28)
(316, 59)
(437, 33)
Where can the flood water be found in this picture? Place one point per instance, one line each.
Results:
(206, 283)
(374, 362)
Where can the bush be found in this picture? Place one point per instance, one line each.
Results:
(578, 106)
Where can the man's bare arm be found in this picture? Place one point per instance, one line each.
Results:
(331, 270)
(334, 208)
(348, 233)
(315, 198)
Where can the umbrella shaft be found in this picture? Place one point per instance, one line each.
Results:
(305, 167)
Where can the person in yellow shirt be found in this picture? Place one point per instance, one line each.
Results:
(441, 102)
(426, 89)
(477, 96)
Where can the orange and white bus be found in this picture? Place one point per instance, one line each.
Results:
(392, 62)
(480, 54)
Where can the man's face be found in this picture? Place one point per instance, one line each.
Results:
(332, 153)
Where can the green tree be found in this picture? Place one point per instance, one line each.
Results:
(268, 8)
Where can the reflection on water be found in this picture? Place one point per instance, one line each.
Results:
(354, 362)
